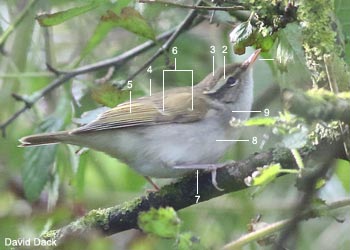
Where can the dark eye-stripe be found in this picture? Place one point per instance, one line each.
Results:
(231, 81)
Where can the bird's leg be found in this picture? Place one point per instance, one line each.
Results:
(156, 187)
(213, 178)
(208, 167)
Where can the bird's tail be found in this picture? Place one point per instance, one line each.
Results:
(44, 139)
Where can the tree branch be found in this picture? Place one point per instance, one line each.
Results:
(318, 104)
(182, 193)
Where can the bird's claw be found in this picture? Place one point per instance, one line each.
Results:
(213, 180)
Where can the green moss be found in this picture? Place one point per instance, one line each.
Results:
(329, 132)
(50, 235)
(168, 189)
(162, 222)
(96, 216)
(319, 36)
(280, 154)
(321, 94)
(271, 13)
(344, 95)
(126, 206)
(266, 7)
(326, 96)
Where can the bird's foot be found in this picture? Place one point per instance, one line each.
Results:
(208, 167)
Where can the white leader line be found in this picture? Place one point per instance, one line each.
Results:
(232, 140)
(130, 102)
(224, 67)
(213, 65)
(246, 111)
(150, 87)
(197, 182)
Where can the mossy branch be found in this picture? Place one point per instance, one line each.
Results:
(318, 104)
(181, 194)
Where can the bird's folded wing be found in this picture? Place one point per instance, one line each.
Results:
(147, 111)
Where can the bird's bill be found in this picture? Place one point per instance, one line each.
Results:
(251, 59)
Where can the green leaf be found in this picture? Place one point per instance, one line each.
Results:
(131, 20)
(260, 121)
(39, 160)
(264, 175)
(265, 43)
(162, 222)
(103, 28)
(99, 34)
(242, 36)
(290, 64)
(296, 139)
(187, 241)
(53, 191)
(320, 206)
(108, 95)
(284, 56)
(62, 16)
(289, 49)
(79, 178)
(265, 39)
(241, 32)
(343, 173)
(320, 183)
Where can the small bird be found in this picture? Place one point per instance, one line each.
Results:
(163, 131)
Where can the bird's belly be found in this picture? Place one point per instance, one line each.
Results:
(155, 150)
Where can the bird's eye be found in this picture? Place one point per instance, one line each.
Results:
(231, 81)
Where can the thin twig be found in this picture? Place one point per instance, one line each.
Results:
(20, 98)
(54, 70)
(278, 226)
(11, 119)
(106, 77)
(182, 26)
(195, 7)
